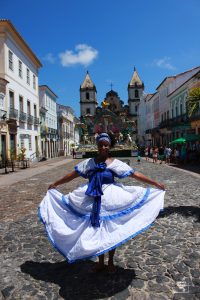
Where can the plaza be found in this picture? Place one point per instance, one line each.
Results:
(160, 263)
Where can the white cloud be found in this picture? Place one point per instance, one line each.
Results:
(163, 63)
(50, 58)
(83, 54)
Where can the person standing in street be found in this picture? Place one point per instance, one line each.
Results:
(100, 214)
(73, 153)
(161, 154)
(167, 152)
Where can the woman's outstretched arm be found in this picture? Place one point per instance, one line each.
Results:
(141, 177)
(64, 179)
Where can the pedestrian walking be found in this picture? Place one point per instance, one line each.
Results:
(167, 153)
(101, 214)
(146, 153)
(161, 155)
(176, 155)
(73, 153)
(155, 154)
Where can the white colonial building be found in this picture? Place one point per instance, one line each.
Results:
(48, 114)
(19, 104)
(67, 131)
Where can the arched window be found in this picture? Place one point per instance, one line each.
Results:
(181, 108)
(176, 110)
(87, 95)
(88, 111)
(136, 94)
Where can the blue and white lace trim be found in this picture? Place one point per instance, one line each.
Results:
(108, 217)
(95, 255)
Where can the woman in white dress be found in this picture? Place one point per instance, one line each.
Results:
(102, 214)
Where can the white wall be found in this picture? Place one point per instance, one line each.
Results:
(20, 87)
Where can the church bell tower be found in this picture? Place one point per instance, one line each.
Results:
(88, 97)
(135, 90)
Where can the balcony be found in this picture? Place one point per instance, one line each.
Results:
(30, 119)
(22, 116)
(3, 115)
(148, 131)
(179, 120)
(13, 113)
(52, 131)
(195, 116)
(36, 121)
(164, 124)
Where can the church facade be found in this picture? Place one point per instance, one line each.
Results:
(112, 115)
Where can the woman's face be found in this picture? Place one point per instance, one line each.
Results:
(103, 147)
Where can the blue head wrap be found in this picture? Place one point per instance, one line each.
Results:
(103, 137)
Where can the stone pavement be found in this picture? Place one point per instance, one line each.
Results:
(161, 263)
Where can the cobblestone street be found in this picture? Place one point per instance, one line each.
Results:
(161, 263)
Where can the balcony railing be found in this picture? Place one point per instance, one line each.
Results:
(52, 131)
(148, 131)
(13, 113)
(195, 116)
(179, 120)
(67, 135)
(3, 115)
(30, 119)
(36, 121)
(22, 116)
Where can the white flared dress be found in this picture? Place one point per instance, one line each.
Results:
(125, 212)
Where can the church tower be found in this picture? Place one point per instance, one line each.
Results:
(135, 90)
(88, 97)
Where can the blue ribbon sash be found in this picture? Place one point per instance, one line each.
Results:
(95, 190)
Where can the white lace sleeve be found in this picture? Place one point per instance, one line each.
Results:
(121, 169)
(83, 167)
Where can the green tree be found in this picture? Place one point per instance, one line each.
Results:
(193, 101)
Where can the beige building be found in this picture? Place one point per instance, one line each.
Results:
(48, 115)
(67, 131)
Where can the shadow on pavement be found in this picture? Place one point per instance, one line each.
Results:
(75, 280)
(186, 211)
(192, 167)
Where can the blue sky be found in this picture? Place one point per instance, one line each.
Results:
(108, 38)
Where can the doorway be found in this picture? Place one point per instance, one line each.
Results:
(3, 147)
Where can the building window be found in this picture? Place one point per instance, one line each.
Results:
(20, 69)
(28, 107)
(28, 76)
(21, 103)
(136, 108)
(11, 96)
(34, 82)
(136, 94)
(30, 142)
(181, 108)
(35, 111)
(87, 96)
(172, 113)
(22, 143)
(10, 55)
(88, 111)
(167, 115)
(176, 111)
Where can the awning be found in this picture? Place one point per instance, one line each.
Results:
(188, 138)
